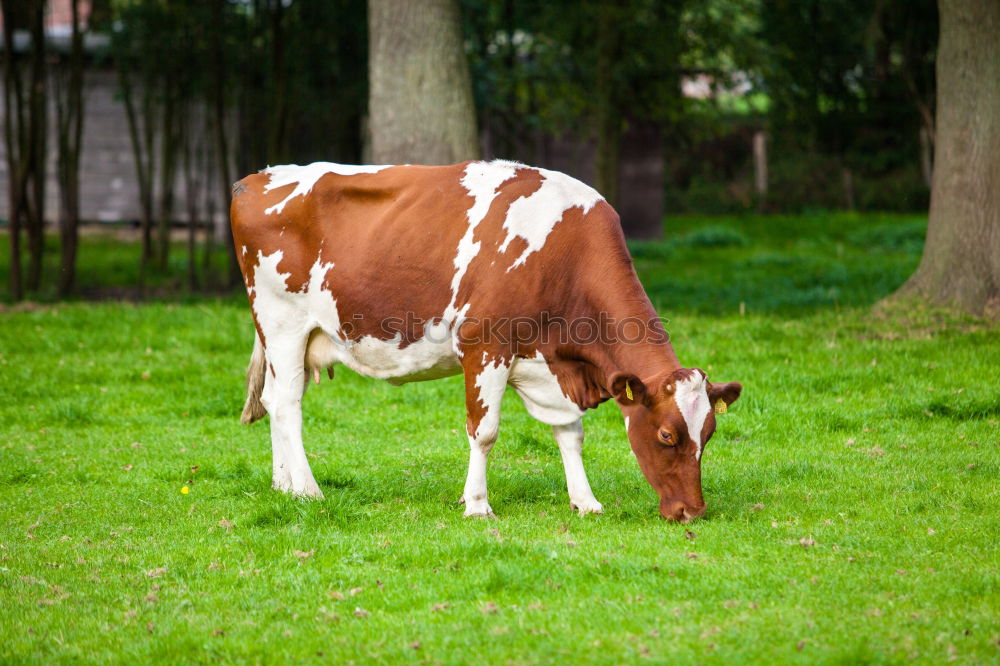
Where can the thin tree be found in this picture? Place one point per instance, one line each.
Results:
(217, 102)
(69, 119)
(420, 95)
(171, 119)
(961, 260)
(13, 126)
(140, 131)
(37, 145)
(25, 137)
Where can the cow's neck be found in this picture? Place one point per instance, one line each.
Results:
(651, 354)
(586, 370)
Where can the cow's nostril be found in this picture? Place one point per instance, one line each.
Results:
(672, 510)
(693, 512)
(681, 511)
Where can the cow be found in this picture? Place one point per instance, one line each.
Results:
(507, 274)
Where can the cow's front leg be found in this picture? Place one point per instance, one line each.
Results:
(570, 441)
(284, 387)
(485, 381)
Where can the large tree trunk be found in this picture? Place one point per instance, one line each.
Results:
(961, 261)
(420, 94)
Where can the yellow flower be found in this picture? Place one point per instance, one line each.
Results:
(185, 490)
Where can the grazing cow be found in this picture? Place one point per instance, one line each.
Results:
(507, 274)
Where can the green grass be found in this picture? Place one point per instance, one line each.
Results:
(778, 264)
(873, 437)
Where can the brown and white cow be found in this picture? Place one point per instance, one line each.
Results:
(508, 274)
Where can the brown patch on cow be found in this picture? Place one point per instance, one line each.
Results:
(475, 410)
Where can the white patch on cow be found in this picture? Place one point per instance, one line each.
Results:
(491, 382)
(305, 177)
(481, 180)
(691, 396)
(569, 437)
(533, 217)
(626, 425)
(386, 359)
(276, 312)
(540, 390)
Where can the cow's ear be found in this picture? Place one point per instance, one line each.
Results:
(723, 395)
(627, 389)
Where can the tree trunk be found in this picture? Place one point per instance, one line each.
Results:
(37, 147)
(13, 126)
(141, 154)
(420, 94)
(169, 119)
(192, 151)
(218, 103)
(69, 107)
(961, 260)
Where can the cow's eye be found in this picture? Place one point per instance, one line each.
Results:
(667, 438)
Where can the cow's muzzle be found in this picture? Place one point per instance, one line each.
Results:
(680, 511)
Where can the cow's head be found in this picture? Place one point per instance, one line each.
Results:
(669, 418)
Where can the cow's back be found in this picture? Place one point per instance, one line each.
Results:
(414, 244)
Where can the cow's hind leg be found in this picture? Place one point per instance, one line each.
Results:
(284, 386)
(485, 382)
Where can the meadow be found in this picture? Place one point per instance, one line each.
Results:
(853, 494)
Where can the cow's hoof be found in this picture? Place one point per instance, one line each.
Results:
(309, 495)
(590, 505)
(488, 515)
(308, 491)
(480, 509)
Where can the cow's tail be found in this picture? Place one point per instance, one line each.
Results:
(253, 410)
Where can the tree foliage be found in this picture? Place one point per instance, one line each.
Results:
(535, 65)
(251, 83)
(850, 78)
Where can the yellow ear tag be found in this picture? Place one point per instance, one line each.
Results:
(720, 406)
(628, 391)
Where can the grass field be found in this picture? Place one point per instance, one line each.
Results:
(854, 503)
